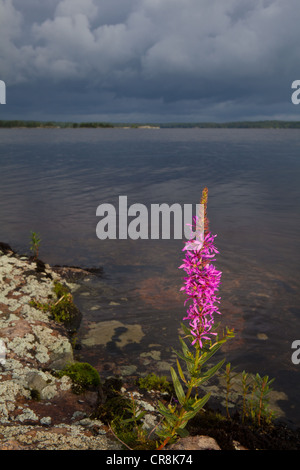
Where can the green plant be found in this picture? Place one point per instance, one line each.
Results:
(229, 377)
(245, 388)
(124, 417)
(255, 398)
(201, 285)
(189, 404)
(155, 382)
(44, 307)
(82, 374)
(135, 421)
(60, 289)
(262, 389)
(63, 309)
(35, 244)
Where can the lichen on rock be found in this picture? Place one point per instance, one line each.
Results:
(36, 348)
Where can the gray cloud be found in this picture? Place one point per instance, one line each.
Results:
(197, 58)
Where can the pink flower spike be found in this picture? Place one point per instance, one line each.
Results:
(200, 286)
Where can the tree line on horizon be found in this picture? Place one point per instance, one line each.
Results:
(272, 124)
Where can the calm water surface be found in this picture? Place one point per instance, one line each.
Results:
(52, 181)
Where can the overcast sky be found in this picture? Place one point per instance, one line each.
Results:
(149, 60)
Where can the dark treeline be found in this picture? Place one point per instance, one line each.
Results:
(20, 123)
(239, 125)
(202, 125)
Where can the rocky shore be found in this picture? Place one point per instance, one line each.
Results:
(33, 346)
(38, 407)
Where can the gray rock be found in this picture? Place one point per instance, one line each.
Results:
(46, 420)
(36, 381)
(195, 443)
(128, 370)
(60, 360)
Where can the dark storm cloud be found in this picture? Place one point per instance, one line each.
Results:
(197, 59)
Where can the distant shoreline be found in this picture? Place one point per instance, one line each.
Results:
(30, 124)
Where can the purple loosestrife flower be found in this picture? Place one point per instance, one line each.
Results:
(201, 285)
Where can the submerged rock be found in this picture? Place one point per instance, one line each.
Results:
(101, 333)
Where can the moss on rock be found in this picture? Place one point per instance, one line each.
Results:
(155, 382)
(62, 309)
(83, 376)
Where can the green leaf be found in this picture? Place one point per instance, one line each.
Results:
(187, 332)
(208, 374)
(186, 352)
(141, 415)
(188, 407)
(170, 417)
(162, 407)
(178, 354)
(182, 432)
(197, 407)
(180, 372)
(128, 420)
(178, 387)
(207, 355)
(188, 358)
(271, 381)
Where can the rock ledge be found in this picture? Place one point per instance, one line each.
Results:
(37, 409)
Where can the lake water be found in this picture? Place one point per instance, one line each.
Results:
(53, 180)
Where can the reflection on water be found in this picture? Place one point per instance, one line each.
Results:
(52, 182)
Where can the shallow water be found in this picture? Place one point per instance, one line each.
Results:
(53, 180)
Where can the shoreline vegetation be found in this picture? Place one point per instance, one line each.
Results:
(43, 407)
(267, 124)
